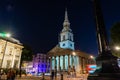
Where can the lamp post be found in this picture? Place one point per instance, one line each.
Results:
(117, 48)
(7, 36)
(92, 59)
(74, 54)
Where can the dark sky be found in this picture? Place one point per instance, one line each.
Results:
(39, 22)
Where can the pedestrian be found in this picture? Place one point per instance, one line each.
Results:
(52, 75)
(11, 75)
(3, 76)
(61, 76)
(43, 78)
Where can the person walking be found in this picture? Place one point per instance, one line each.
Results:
(11, 75)
(3, 76)
(52, 75)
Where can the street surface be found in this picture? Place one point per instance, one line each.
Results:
(31, 78)
(83, 77)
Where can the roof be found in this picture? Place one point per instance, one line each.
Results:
(57, 51)
(10, 39)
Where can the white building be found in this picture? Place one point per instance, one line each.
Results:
(10, 52)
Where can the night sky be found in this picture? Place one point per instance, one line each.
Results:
(38, 23)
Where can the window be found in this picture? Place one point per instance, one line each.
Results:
(15, 63)
(8, 64)
(70, 38)
(63, 37)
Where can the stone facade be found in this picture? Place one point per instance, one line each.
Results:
(10, 53)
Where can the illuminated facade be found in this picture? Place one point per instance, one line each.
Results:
(64, 57)
(40, 63)
(27, 66)
(10, 52)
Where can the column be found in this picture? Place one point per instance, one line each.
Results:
(83, 59)
(63, 62)
(69, 67)
(59, 63)
(19, 64)
(72, 60)
(13, 57)
(81, 64)
(55, 63)
(68, 61)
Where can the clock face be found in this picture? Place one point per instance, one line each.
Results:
(63, 44)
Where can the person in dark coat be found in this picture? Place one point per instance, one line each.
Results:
(52, 75)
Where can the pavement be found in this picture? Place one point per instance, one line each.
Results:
(82, 77)
(31, 78)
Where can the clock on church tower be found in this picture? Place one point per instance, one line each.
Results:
(66, 35)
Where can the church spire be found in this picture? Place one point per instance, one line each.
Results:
(66, 23)
(66, 16)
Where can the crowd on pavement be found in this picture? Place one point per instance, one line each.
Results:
(9, 75)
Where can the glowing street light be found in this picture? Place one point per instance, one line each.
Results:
(91, 57)
(74, 53)
(5, 34)
(117, 48)
(8, 35)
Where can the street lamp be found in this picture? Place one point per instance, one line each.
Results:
(74, 54)
(91, 57)
(117, 48)
(7, 36)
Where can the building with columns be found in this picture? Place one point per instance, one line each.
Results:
(64, 57)
(10, 52)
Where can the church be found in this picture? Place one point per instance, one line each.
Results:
(64, 57)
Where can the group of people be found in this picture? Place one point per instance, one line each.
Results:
(10, 75)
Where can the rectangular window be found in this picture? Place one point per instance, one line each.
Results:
(8, 64)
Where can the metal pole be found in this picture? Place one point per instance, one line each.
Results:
(3, 54)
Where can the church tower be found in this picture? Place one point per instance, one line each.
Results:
(66, 35)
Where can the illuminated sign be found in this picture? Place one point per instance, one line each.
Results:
(91, 68)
